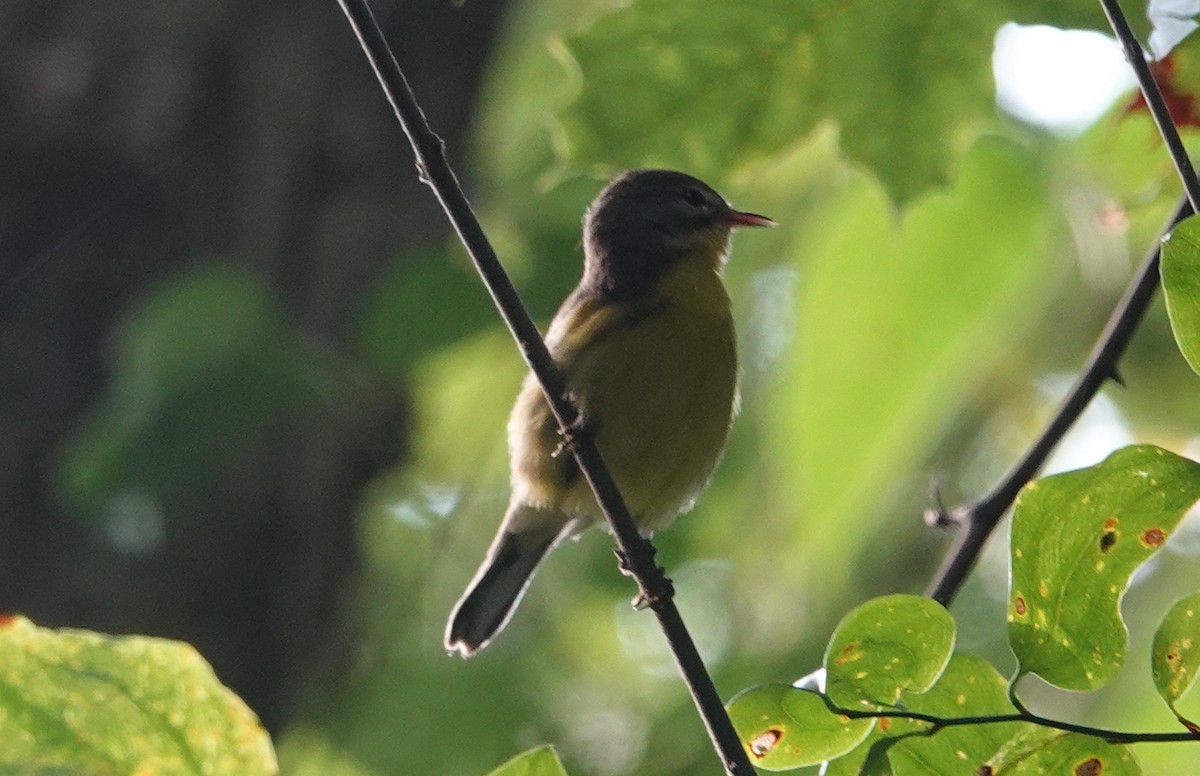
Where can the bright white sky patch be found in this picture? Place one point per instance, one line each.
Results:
(1058, 79)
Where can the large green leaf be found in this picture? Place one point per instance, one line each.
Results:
(888, 646)
(1175, 656)
(707, 87)
(80, 702)
(969, 687)
(1076, 540)
(1181, 286)
(915, 312)
(783, 727)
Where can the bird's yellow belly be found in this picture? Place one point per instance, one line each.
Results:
(659, 395)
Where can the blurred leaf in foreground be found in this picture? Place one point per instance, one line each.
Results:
(81, 702)
(707, 87)
(917, 312)
(542, 761)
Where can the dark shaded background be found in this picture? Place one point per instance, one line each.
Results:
(142, 138)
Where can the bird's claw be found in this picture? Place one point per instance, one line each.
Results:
(568, 436)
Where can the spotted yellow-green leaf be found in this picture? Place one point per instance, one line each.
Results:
(1175, 656)
(1038, 751)
(888, 646)
(79, 702)
(1181, 286)
(969, 687)
(784, 727)
(1077, 538)
(540, 761)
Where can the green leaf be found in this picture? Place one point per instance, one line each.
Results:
(1181, 286)
(888, 646)
(1036, 750)
(1076, 540)
(1175, 656)
(541, 761)
(969, 687)
(81, 702)
(783, 727)
(870, 758)
(206, 366)
(709, 87)
(872, 321)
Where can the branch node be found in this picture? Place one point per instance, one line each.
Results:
(937, 515)
(654, 586)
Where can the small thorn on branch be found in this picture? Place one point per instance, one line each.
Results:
(936, 515)
(1115, 375)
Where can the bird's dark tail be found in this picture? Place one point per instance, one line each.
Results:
(493, 594)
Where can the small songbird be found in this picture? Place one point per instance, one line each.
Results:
(646, 344)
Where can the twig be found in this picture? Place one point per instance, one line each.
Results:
(636, 553)
(1154, 99)
(938, 723)
(977, 521)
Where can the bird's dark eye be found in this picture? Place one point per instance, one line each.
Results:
(694, 197)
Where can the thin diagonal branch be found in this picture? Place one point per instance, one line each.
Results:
(976, 521)
(637, 554)
(1154, 99)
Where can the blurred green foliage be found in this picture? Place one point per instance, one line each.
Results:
(79, 702)
(204, 367)
(939, 269)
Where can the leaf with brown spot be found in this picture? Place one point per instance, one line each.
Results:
(1152, 537)
(1107, 540)
(783, 727)
(1075, 637)
(1038, 751)
(887, 646)
(1175, 656)
(970, 686)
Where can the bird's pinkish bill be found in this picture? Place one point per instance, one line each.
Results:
(739, 218)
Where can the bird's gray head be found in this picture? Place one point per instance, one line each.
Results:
(645, 221)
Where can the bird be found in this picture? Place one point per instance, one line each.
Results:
(646, 344)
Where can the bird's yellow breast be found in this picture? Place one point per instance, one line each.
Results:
(656, 381)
